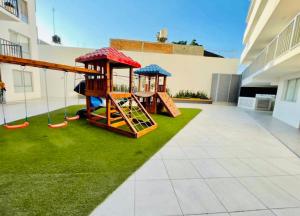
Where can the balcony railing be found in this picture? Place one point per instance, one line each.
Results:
(285, 41)
(10, 49)
(11, 6)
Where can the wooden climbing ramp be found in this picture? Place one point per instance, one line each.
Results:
(169, 104)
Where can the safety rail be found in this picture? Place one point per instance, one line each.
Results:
(286, 40)
(11, 6)
(9, 48)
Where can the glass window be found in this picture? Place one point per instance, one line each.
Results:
(23, 41)
(293, 86)
(18, 81)
(23, 11)
(13, 37)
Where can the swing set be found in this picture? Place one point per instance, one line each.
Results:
(124, 113)
(45, 66)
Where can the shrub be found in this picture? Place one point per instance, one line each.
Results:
(191, 94)
(121, 88)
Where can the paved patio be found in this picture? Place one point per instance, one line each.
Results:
(222, 164)
(288, 135)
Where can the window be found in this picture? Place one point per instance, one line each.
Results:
(23, 11)
(18, 81)
(23, 41)
(292, 88)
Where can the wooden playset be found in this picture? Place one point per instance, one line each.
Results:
(124, 113)
(154, 96)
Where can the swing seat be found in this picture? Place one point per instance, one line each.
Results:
(59, 125)
(74, 118)
(13, 127)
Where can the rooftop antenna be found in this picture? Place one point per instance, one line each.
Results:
(53, 20)
(55, 38)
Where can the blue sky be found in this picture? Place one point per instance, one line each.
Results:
(216, 24)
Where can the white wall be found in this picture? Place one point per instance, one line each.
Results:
(189, 72)
(29, 30)
(288, 112)
(55, 79)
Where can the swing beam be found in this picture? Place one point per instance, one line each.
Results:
(44, 64)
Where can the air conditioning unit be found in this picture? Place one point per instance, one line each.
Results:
(264, 102)
(162, 35)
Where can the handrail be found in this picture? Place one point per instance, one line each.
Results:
(9, 48)
(286, 40)
(10, 6)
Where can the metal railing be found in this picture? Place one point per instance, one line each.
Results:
(10, 49)
(11, 6)
(285, 41)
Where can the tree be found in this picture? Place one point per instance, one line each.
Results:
(194, 43)
(180, 42)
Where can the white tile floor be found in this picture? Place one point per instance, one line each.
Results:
(221, 164)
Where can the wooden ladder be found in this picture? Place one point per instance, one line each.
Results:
(133, 114)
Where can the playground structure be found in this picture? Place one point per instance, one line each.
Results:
(123, 114)
(154, 96)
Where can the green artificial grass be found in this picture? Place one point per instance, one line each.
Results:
(69, 171)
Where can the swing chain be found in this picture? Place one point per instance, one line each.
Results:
(24, 92)
(65, 93)
(47, 96)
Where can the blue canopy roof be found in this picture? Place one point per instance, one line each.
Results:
(152, 69)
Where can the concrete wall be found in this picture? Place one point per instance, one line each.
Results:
(288, 112)
(55, 79)
(29, 30)
(188, 72)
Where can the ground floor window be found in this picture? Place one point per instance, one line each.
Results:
(292, 88)
(18, 81)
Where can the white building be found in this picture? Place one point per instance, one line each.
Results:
(272, 56)
(18, 37)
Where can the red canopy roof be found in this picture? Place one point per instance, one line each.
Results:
(110, 54)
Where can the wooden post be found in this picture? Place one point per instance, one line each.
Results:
(111, 79)
(139, 87)
(87, 98)
(149, 83)
(155, 95)
(108, 90)
(165, 83)
(130, 80)
(130, 89)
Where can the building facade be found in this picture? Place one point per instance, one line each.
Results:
(272, 59)
(18, 37)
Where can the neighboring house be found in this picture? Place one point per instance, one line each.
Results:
(272, 56)
(18, 37)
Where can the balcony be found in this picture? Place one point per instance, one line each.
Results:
(9, 10)
(10, 49)
(286, 41)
